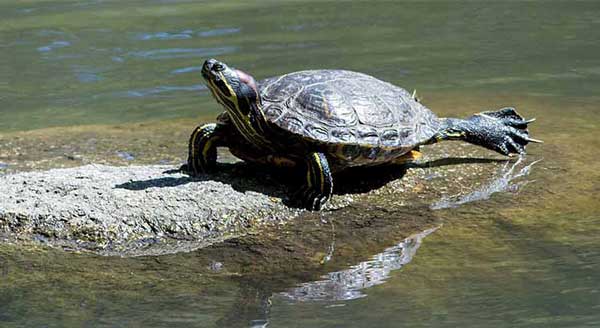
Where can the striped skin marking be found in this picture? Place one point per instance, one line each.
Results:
(193, 152)
(449, 134)
(240, 120)
(231, 104)
(309, 176)
(319, 186)
(452, 135)
(201, 145)
(320, 171)
(208, 145)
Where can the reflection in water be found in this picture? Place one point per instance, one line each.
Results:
(348, 284)
(503, 182)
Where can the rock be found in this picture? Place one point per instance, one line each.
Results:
(146, 210)
(116, 210)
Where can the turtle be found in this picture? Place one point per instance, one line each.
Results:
(327, 120)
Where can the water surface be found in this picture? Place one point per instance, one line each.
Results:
(72, 70)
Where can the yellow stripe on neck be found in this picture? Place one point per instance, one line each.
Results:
(241, 121)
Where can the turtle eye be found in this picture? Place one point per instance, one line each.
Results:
(217, 67)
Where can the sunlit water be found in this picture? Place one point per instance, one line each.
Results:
(527, 258)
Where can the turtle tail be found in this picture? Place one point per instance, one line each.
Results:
(504, 131)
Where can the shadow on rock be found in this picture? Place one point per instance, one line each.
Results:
(455, 161)
(240, 176)
(165, 182)
(282, 183)
(365, 179)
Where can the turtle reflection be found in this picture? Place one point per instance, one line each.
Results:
(348, 284)
(505, 180)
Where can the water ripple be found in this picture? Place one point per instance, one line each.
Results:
(219, 32)
(183, 52)
(48, 32)
(280, 46)
(187, 34)
(54, 45)
(187, 70)
(87, 74)
(161, 90)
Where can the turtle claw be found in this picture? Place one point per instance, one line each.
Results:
(309, 198)
(504, 131)
(415, 97)
(534, 140)
(318, 186)
(183, 168)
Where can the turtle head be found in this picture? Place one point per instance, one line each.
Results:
(232, 88)
(238, 93)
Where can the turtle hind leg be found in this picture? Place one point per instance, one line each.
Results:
(503, 131)
(202, 149)
(318, 186)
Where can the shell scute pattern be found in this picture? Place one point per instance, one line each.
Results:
(404, 106)
(344, 135)
(389, 138)
(373, 111)
(347, 108)
(276, 91)
(275, 112)
(292, 123)
(323, 102)
(368, 134)
(316, 131)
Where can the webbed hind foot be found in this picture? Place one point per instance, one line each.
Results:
(504, 131)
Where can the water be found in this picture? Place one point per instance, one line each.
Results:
(71, 71)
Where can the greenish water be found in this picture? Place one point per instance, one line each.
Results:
(525, 259)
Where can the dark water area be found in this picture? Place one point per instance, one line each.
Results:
(119, 83)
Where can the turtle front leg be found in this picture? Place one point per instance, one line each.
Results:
(319, 182)
(202, 146)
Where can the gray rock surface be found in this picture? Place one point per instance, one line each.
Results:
(116, 210)
(145, 210)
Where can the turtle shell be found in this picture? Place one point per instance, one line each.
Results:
(345, 107)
